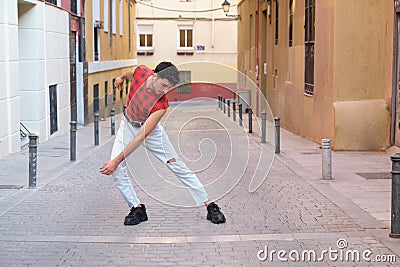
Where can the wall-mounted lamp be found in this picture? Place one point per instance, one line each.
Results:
(225, 7)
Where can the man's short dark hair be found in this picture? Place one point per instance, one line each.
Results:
(167, 70)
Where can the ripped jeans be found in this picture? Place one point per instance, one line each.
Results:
(157, 142)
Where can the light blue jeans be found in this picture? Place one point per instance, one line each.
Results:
(157, 142)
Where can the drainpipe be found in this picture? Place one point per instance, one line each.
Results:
(257, 65)
(394, 81)
(212, 26)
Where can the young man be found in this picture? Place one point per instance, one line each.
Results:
(147, 103)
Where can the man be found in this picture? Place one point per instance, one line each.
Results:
(147, 103)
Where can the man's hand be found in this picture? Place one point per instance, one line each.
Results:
(109, 167)
(119, 82)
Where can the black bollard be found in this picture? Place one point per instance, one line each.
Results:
(263, 127)
(33, 144)
(395, 214)
(224, 100)
(219, 101)
(229, 108)
(240, 115)
(72, 143)
(277, 135)
(250, 120)
(96, 129)
(112, 115)
(234, 110)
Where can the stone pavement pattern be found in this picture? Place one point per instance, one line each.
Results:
(77, 220)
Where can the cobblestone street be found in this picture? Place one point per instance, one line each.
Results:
(77, 219)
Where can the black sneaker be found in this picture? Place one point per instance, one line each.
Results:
(214, 213)
(136, 215)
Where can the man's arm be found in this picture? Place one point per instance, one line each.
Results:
(119, 81)
(151, 122)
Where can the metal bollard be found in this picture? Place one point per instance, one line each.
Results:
(395, 214)
(326, 159)
(72, 143)
(234, 110)
(112, 114)
(263, 127)
(96, 129)
(229, 108)
(240, 115)
(124, 109)
(250, 120)
(277, 135)
(219, 101)
(224, 100)
(33, 139)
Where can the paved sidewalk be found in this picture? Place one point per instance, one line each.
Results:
(75, 216)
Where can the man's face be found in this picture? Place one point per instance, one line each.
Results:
(161, 85)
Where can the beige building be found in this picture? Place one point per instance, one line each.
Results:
(325, 67)
(197, 36)
(110, 51)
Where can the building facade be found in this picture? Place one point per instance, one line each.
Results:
(325, 68)
(34, 71)
(110, 52)
(197, 36)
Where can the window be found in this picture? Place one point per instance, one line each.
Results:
(96, 44)
(276, 21)
(310, 20)
(74, 7)
(251, 39)
(309, 47)
(121, 16)
(113, 19)
(54, 2)
(145, 37)
(106, 93)
(96, 35)
(96, 10)
(106, 15)
(53, 109)
(95, 98)
(290, 22)
(127, 86)
(185, 86)
(114, 91)
(185, 37)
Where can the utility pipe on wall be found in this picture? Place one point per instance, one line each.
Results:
(257, 65)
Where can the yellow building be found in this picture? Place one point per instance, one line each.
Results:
(110, 52)
(325, 67)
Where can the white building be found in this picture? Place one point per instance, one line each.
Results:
(185, 31)
(34, 71)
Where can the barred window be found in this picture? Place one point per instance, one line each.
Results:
(309, 47)
(290, 22)
(185, 81)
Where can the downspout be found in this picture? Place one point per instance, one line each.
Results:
(257, 59)
(394, 80)
(212, 26)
